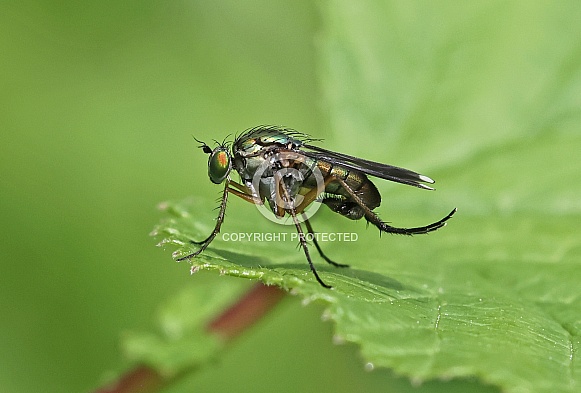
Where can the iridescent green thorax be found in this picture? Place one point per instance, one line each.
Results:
(258, 138)
(257, 145)
(262, 151)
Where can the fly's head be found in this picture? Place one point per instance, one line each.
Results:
(219, 162)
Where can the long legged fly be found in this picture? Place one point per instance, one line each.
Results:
(280, 168)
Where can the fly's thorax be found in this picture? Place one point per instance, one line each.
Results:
(258, 139)
(247, 167)
(256, 149)
(279, 176)
(289, 169)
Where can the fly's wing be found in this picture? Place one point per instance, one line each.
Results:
(383, 171)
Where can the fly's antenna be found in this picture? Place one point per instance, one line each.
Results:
(205, 148)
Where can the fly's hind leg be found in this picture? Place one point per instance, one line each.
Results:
(312, 233)
(375, 220)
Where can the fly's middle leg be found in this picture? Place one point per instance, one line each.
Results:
(316, 243)
(302, 237)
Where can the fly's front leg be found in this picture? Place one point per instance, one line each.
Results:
(310, 229)
(206, 242)
(230, 187)
(243, 192)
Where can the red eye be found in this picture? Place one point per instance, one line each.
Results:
(223, 159)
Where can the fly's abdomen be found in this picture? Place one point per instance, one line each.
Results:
(340, 200)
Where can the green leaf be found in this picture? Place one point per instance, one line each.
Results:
(484, 98)
(183, 343)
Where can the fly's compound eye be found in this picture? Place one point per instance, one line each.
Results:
(219, 165)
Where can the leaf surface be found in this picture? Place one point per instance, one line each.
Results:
(483, 98)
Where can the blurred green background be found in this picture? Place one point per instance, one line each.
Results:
(99, 102)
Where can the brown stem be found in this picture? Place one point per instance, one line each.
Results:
(139, 380)
(248, 310)
(228, 325)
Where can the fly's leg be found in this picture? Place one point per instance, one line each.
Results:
(242, 194)
(302, 238)
(303, 242)
(411, 231)
(375, 220)
(206, 242)
(308, 199)
(312, 195)
(310, 229)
